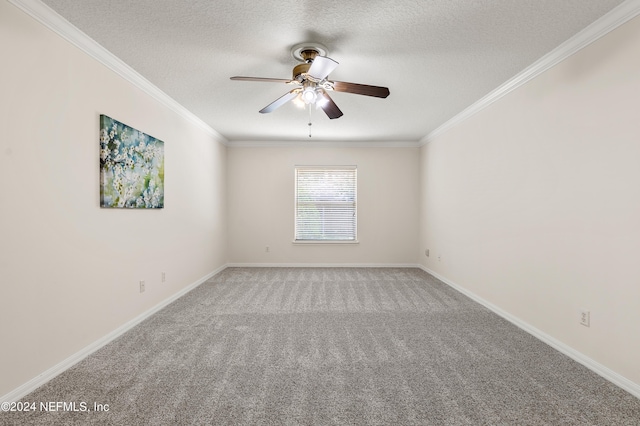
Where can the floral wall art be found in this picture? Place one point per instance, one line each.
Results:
(131, 167)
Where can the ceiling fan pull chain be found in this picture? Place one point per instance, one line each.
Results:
(309, 120)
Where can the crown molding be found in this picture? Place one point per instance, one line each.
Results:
(56, 23)
(607, 23)
(323, 144)
(50, 19)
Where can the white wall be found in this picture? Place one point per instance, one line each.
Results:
(534, 202)
(261, 205)
(69, 270)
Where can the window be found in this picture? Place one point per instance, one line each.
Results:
(326, 204)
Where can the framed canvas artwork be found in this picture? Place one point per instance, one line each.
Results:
(131, 167)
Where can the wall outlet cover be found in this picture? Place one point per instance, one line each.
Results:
(585, 317)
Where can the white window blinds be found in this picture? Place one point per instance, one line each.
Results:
(326, 203)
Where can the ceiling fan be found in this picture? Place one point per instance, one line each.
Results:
(311, 84)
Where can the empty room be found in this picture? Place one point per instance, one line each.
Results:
(320, 213)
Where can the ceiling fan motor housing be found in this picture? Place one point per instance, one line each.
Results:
(299, 70)
(309, 55)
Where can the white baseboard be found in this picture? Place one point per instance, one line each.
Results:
(59, 368)
(323, 265)
(41, 379)
(610, 375)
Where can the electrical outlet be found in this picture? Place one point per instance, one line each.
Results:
(141, 286)
(439, 256)
(585, 317)
(426, 252)
(164, 277)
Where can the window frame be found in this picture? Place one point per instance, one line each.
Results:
(340, 168)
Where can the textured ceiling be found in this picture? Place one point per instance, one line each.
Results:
(437, 57)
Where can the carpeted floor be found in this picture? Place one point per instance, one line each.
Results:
(323, 346)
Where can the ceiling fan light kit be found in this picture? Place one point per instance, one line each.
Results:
(311, 83)
(309, 95)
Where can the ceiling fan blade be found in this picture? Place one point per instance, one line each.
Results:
(267, 80)
(321, 67)
(280, 101)
(329, 107)
(361, 89)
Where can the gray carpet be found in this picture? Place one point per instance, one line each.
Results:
(323, 346)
